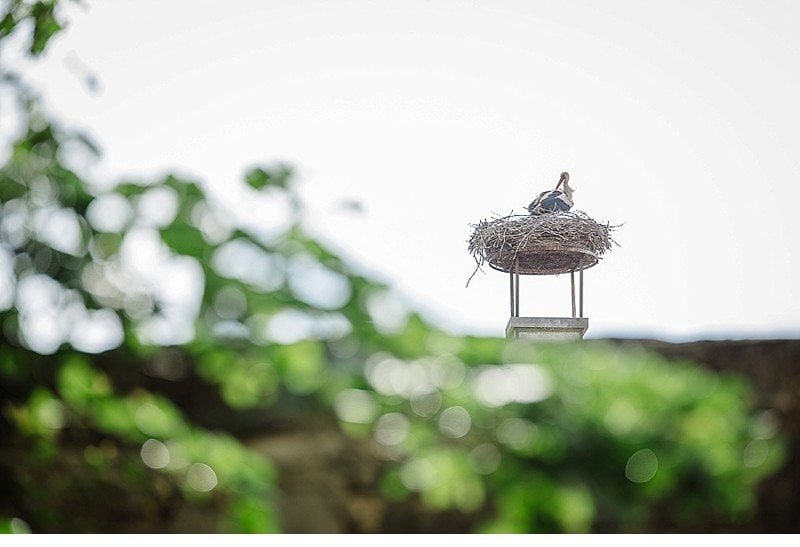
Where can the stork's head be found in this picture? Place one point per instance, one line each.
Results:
(565, 181)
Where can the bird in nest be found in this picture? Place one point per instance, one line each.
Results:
(553, 201)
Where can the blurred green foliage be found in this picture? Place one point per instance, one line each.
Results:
(529, 438)
(40, 15)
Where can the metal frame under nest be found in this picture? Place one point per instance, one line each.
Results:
(550, 244)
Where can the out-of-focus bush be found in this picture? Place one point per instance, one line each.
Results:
(110, 296)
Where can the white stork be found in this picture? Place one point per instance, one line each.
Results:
(553, 201)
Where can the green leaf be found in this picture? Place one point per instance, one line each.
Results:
(116, 417)
(184, 239)
(302, 365)
(251, 515)
(79, 383)
(259, 178)
(7, 25)
(45, 26)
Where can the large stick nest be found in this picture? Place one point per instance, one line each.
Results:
(546, 244)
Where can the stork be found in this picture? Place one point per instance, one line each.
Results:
(553, 201)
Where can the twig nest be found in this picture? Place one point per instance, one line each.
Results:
(547, 244)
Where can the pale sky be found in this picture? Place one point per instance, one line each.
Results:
(677, 119)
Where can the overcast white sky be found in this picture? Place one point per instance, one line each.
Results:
(679, 119)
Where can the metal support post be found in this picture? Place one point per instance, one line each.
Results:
(511, 290)
(581, 289)
(572, 285)
(516, 288)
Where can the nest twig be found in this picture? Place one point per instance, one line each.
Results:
(543, 244)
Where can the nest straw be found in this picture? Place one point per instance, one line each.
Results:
(539, 245)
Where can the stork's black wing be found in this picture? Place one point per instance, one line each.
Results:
(550, 202)
(536, 203)
(555, 202)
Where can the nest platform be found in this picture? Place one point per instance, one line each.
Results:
(548, 244)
